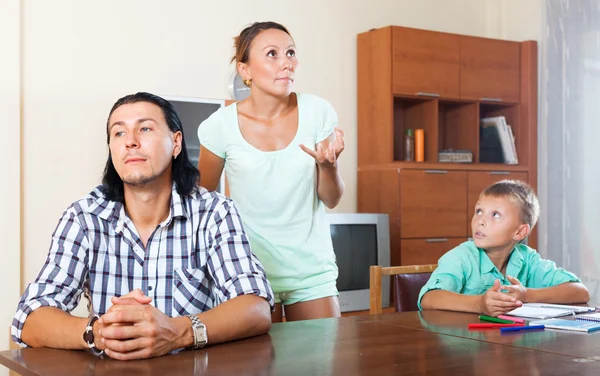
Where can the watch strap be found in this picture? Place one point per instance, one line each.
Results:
(199, 330)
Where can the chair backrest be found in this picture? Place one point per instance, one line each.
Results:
(408, 281)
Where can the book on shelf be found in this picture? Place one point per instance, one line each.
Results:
(547, 311)
(564, 324)
(505, 136)
(490, 149)
(511, 136)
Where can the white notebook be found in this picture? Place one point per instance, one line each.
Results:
(589, 317)
(546, 311)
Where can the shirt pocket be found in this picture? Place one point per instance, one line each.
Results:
(191, 292)
(480, 285)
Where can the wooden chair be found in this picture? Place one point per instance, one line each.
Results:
(408, 281)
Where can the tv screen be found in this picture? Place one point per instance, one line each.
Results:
(359, 241)
(355, 247)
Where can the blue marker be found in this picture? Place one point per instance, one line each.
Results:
(520, 328)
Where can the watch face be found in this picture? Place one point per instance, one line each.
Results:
(237, 88)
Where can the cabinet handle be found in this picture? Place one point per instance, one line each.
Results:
(435, 171)
(436, 95)
(499, 173)
(436, 240)
(491, 99)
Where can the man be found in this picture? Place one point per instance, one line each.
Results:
(165, 265)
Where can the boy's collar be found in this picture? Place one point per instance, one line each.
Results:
(515, 261)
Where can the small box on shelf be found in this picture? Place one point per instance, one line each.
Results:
(455, 156)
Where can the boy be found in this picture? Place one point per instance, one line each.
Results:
(494, 273)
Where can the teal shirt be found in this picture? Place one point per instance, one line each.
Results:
(468, 270)
(276, 195)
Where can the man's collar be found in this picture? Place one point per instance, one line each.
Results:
(111, 210)
(178, 208)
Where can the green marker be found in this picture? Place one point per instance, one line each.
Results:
(495, 319)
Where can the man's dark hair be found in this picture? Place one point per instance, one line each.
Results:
(185, 174)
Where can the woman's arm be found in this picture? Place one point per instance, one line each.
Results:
(211, 169)
(330, 186)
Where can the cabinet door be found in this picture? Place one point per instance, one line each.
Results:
(479, 180)
(489, 69)
(425, 62)
(378, 193)
(426, 251)
(433, 204)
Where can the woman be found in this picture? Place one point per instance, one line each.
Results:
(280, 150)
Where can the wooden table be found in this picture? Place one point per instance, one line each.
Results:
(561, 342)
(432, 343)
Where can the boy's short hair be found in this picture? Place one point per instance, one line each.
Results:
(520, 192)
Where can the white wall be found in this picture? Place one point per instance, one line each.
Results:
(10, 130)
(515, 19)
(79, 57)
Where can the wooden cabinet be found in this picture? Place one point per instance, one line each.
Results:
(430, 204)
(489, 69)
(425, 63)
(433, 203)
(426, 251)
(436, 64)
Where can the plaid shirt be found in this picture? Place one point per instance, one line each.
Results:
(197, 258)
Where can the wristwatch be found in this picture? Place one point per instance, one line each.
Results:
(199, 329)
(88, 336)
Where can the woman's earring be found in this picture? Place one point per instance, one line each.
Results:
(247, 81)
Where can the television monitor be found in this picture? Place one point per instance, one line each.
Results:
(192, 112)
(359, 241)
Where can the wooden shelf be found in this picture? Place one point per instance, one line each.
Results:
(458, 100)
(496, 167)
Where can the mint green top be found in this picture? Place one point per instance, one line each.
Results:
(276, 194)
(468, 270)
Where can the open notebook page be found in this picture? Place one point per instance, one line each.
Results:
(546, 311)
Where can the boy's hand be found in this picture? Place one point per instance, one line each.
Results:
(494, 302)
(516, 289)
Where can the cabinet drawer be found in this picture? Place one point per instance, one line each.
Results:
(489, 68)
(479, 180)
(433, 204)
(425, 62)
(426, 251)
